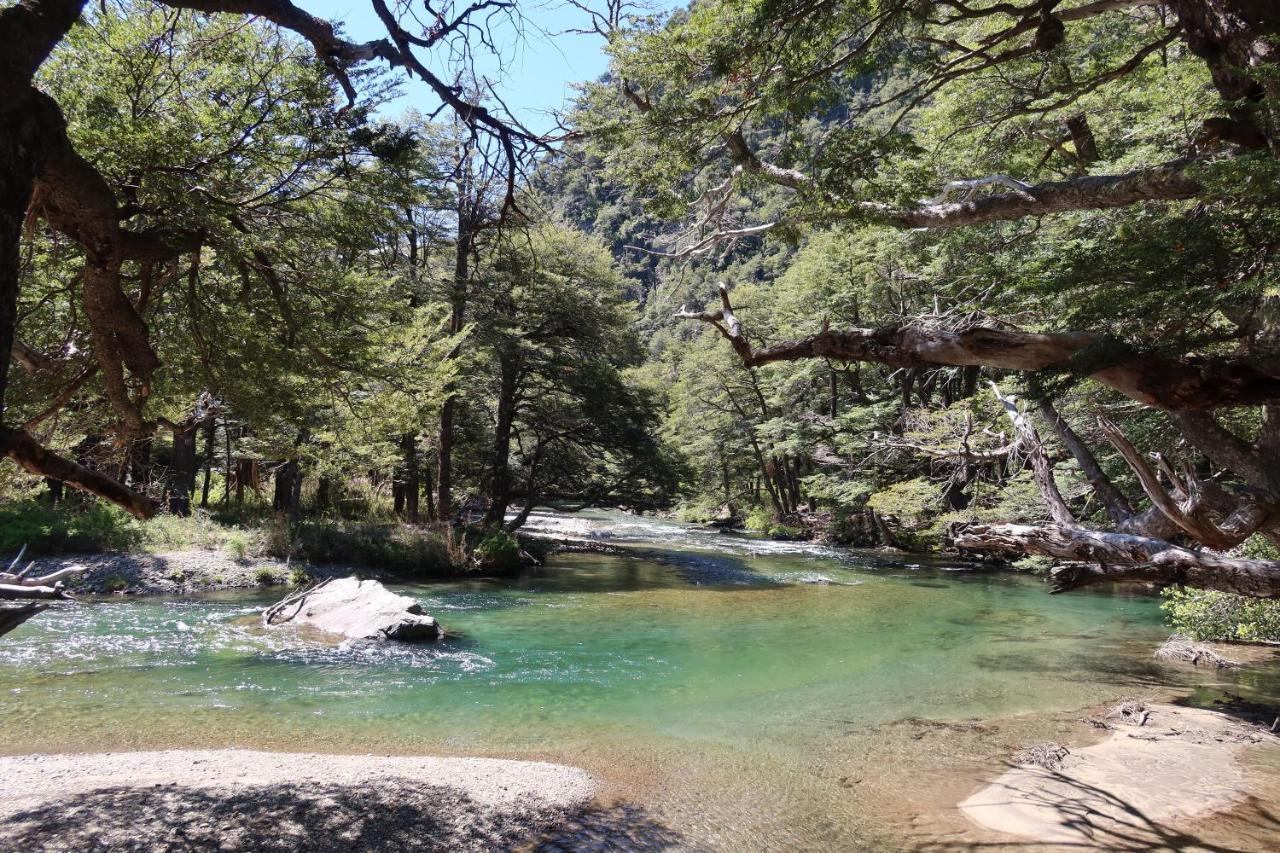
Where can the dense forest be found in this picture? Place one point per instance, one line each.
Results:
(991, 277)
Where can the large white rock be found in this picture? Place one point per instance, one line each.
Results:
(357, 610)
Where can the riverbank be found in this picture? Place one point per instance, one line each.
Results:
(235, 799)
(188, 571)
(1163, 770)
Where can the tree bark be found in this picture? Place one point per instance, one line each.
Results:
(500, 461)
(32, 457)
(1189, 383)
(1116, 504)
(210, 434)
(1123, 558)
(182, 470)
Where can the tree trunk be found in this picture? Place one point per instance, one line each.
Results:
(1123, 558)
(408, 487)
(284, 500)
(182, 470)
(210, 434)
(1117, 505)
(467, 204)
(500, 461)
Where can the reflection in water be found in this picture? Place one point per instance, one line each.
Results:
(745, 692)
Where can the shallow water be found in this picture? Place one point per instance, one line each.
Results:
(742, 693)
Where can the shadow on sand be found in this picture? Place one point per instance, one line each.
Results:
(317, 817)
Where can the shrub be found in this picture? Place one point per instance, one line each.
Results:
(50, 530)
(787, 533)
(759, 519)
(299, 576)
(1034, 563)
(238, 545)
(1209, 615)
(498, 552)
(394, 547)
(115, 583)
(265, 576)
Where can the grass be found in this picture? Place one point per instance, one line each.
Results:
(240, 532)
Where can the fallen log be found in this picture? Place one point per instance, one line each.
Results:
(1103, 557)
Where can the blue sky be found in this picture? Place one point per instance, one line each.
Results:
(537, 69)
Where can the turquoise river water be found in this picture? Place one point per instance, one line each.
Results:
(737, 693)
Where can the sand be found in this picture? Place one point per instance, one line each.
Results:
(1132, 789)
(245, 800)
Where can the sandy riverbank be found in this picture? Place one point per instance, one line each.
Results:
(243, 800)
(1144, 787)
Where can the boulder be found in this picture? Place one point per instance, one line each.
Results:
(357, 610)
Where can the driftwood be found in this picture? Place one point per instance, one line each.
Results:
(17, 585)
(1103, 557)
(1185, 650)
(13, 616)
(1047, 755)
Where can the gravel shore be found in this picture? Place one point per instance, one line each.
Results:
(241, 800)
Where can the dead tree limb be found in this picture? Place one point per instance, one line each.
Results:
(1101, 557)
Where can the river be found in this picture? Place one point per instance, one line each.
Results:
(735, 693)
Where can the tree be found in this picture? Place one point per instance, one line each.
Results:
(856, 111)
(39, 162)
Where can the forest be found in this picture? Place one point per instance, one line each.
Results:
(234, 283)
(988, 283)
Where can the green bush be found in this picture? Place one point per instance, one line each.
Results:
(787, 533)
(265, 576)
(393, 547)
(759, 519)
(299, 576)
(498, 552)
(1035, 564)
(1208, 615)
(51, 530)
(237, 545)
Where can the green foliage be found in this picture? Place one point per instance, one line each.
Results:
(265, 576)
(46, 530)
(1210, 615)
(498, 552)
(1035, 564)
(390, 547)
(759, 519)
(787, 533)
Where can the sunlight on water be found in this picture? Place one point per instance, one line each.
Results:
(741, 689)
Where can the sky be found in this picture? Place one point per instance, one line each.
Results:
(537, 69)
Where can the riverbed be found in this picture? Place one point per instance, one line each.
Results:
(729, 693)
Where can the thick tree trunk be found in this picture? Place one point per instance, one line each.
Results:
(284, 499)
(1123, 558)
(408, 485)
(182, 470)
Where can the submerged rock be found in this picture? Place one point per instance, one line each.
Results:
(357, 610)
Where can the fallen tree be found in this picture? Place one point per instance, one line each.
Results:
(19, 585)
(1108, 557)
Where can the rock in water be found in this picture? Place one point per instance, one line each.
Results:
(357, 610)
